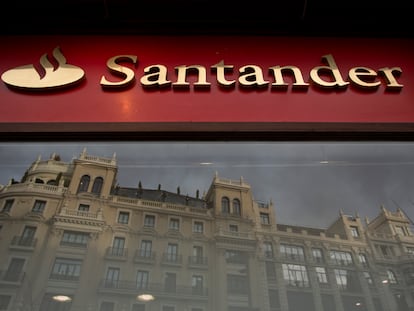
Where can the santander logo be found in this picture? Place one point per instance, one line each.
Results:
(29, 78)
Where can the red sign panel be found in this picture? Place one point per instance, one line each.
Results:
(246, 79)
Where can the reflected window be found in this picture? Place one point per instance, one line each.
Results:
(74, 239)
(341, 258)
(146, 249)
(236, 207)
(292, 252)
(83, 208)
(295, 275)
(66, 269)
(198, 227)
(39, 206)
(264, 219)
(8, 206)
(123, 218)
(268, 249)
(97, 185)
(354, 231)
(149, 221)
(142, 279)
(225, 205)
(317, 255)
(174, 224)
(363, 260)
(112, 277)
(84, 183)
(391, 277)
(321, 275)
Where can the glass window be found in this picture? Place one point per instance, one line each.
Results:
(341, 277)
(236, 207)
(264, 218)
(174, 224)
(142, 279)
(354, 231)
(347, 280)
(170, 282)
(149, 221)
(368, 278)
(27, 238)
(118, 247)
(146, 249)
(363, 260)
(198, 227)
(39, 206)
(8, 206)
(112, 277)
(84, 183)
(317, 255)
(123, 218)
(341, 258)
(73, 238)
(83, 208)
(391, 277)
(198, 255)
(295, 275)
(172, 252)
(268, 249)
(97, 185)
(234, 256)
(14, 272)
(292, 252)
(225, 205)
(233, 228)
(270, 270)
(66, 269)
(197, 284)
(321, 275)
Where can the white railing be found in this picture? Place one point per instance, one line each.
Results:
(42, 188)
(87, 157)
(80, 214)
(156, 204)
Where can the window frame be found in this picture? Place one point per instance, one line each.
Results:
(39, 206)
(123, 217)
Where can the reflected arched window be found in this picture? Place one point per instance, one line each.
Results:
(236, 207)
(39, 181)
(52, 182)
(97, 185)
(225, 205)
(84, 183)
(391, 277)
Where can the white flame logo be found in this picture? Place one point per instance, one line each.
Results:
(27, 76)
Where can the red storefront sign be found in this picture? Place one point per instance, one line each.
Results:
(373, 83)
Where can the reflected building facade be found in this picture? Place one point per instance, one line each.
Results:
(68, 229)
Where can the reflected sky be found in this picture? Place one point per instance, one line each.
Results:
(309, 183)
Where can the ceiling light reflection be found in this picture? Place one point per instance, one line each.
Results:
(145, 297)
